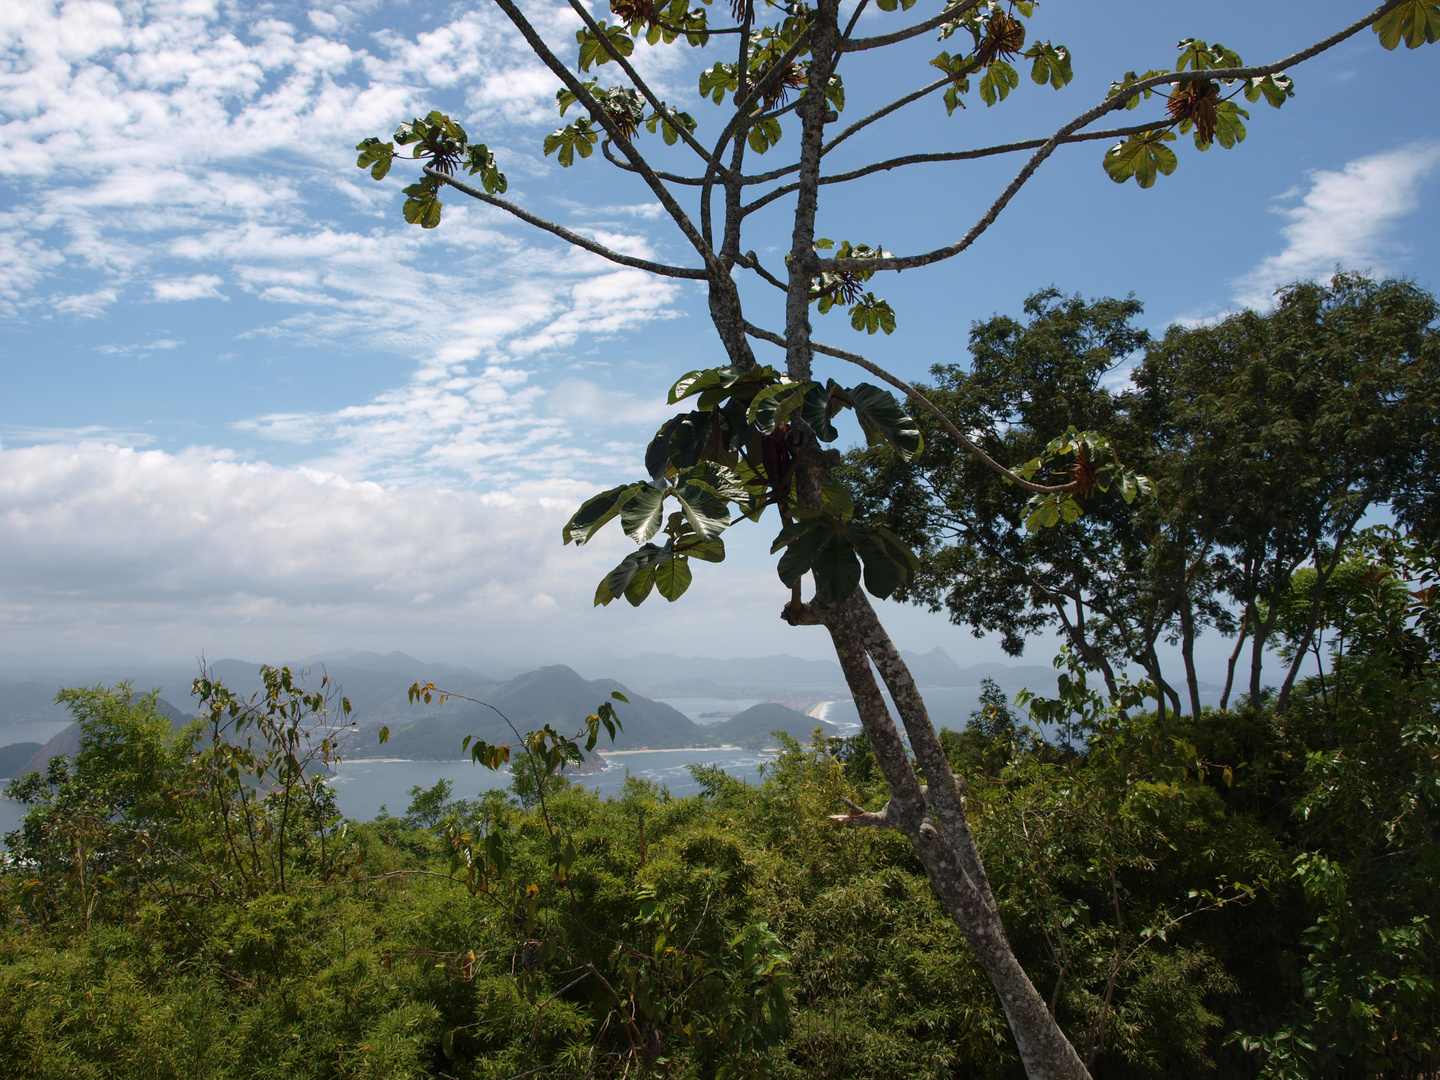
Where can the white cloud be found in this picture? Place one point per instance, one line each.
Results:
(142, 551)
(196, 287)
(1346, 218)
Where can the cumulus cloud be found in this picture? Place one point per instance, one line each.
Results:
(197, 151)
(1348, 218)
(112, 548)
(196, 287)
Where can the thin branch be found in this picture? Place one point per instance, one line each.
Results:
(855, 18)
(879, 114)
(1116, 100)
(640, 84)
(587, 101)
(926, 404)
(858, 815)
(948, 14)
(957, 155)
(751, 261)
(742, 108)
(673, 178)
(568, 236)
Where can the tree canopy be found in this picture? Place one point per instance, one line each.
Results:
(756, 435)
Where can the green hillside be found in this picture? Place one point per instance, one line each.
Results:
(552, 695)
(752, 728)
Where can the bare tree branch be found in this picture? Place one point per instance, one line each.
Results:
(587, 100)
(946, 15)
(751, 261)
(1114, 101)
(565, 234)
(926, 404)
(668, 177)
(854, 19)
(640, 84)
(957, 155)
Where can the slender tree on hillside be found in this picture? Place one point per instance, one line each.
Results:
(756, 435)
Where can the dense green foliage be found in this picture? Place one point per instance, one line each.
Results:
(1269, 439)
(1250, 891)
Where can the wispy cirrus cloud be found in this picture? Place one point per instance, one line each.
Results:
(1346, 217)
(191, 152)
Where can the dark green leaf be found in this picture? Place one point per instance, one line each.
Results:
(672, 577)
(595, 512)
(642, 513)
(836, 567)
(881, 416)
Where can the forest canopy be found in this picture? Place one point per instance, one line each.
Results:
(1235, 892)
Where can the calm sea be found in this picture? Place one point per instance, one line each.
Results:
(363, 786)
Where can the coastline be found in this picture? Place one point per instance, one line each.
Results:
(821, 710)
(665, 750)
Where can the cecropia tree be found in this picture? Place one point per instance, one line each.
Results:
(756, 435)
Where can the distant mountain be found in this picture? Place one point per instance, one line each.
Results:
(67, 742)
(664, 674)
(14, 757)
(29, 701)
(551, 695)
(751, 728)
(934, 668)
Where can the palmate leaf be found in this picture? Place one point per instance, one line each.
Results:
(1228, 127)
(595, 512)
(883, 418)
(817, 409)
(593, 51)
(774, 405)
(1052, 64)
(672, 576)
(1142, 156)
(833, 551)
(1416, 23)
(422, 204)
(618, 581)
(642, 513)
(889, 564)
(871, 314)
(376, 156)
(996, 84)
(707, 515)
(663, 569)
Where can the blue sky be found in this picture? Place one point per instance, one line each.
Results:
(245, 410)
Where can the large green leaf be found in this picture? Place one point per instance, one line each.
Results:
(775, 404)
(889, 563)
(805, 540)
(672, 576)
(1142, 156)
(819, 406)
(881, 416)
(1416, 23)
(595, 511)
(422, 205)
(836, 567)
(705, 550)
(593, 51)
(707, 515)
(642, 514)
(618, 581)
(640, 586)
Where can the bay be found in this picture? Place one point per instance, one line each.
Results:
(363, 786)
(696, 707)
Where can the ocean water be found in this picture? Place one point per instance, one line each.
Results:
(696, 707)
(362, 787)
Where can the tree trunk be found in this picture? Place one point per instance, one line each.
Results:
(933, 819)
(1187, 651)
